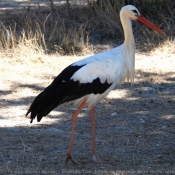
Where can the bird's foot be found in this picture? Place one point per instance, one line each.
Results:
(69, 156)
(95, 159)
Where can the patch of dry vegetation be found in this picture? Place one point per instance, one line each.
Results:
(72, 29)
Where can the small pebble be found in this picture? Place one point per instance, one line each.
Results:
(142, 121)
(146, 162)
(138, 75)
(146, 90)
(164, 127)
(113, 114)
(159, 156)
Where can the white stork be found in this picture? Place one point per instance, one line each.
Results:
(89, 80)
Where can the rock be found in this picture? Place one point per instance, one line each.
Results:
(146, 162)
(138, 75)
(164, 127)
(159, 156)
(113, 114)
(146, 90)
(142, 120)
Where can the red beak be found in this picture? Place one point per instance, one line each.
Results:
(149, 24)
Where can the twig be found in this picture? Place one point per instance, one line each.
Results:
(23, 149)
(52, 5)
(5, 162)
(162, 98)
(40, 159)
(44, 25)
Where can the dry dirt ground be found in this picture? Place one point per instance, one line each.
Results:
(135, 125)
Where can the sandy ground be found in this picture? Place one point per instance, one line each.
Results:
(135, 125)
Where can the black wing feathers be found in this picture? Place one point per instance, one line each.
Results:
(46, 100)
(62, 90)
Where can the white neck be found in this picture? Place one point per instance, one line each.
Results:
(129, 47)
(128, 33)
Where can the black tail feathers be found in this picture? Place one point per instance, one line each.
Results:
(47, 100)
(43, 104)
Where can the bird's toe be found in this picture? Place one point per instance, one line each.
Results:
(95, 159)
(69, 156)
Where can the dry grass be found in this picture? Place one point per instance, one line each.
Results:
(72, 29)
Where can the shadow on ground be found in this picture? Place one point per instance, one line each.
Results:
(138, 137)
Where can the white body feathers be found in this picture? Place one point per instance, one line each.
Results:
(113, 66)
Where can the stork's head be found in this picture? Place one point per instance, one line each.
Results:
(132, 13)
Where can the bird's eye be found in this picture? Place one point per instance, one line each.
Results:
(135, 11)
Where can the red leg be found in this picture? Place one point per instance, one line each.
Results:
(74, 118)
(93, 135)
